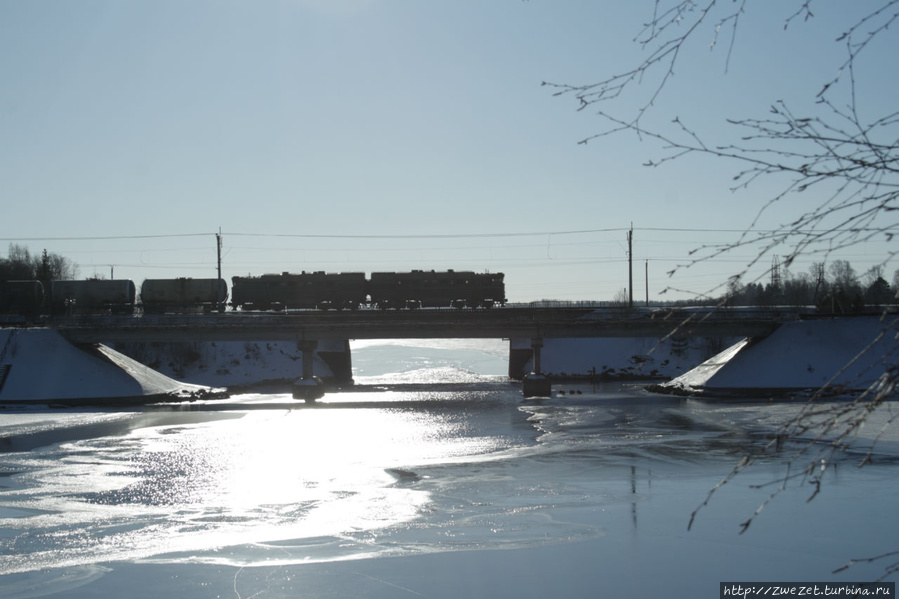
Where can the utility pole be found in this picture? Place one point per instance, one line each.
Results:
(630, 268)
(647, 283)
(218, 247)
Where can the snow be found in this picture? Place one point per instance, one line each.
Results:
(637, 357)
(228, 363)
(849, 353)
(40, 365)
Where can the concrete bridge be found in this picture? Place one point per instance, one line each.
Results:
(500, 323)
(308, 328)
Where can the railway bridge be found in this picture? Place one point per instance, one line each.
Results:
(313, 325)
(309, 327)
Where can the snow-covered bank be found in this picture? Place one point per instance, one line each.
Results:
(848, 354)
(38, 365)
(239, 364)
(616, 358)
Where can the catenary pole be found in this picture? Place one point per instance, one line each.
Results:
(630, 267)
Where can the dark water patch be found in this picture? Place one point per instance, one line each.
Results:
(403, 477)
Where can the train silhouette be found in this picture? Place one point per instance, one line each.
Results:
(278, 292)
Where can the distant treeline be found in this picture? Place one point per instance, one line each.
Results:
(834, 288)
(20, 265)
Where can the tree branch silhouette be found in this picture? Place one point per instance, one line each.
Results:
(827, 147)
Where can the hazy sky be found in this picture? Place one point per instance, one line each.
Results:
(370, 135)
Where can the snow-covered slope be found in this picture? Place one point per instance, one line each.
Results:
(617, 357)
(846, 353)
(38, 365)
(231, 363)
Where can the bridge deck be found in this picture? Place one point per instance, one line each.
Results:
(374, 324)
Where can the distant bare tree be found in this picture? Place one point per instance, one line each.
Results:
(621, 297)
(843, 275)
(22, 265)
(829, 146)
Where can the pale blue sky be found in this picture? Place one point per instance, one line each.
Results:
(421, 122)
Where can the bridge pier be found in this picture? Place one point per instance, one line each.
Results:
(337, 356)
(536, 384)
(309, 387)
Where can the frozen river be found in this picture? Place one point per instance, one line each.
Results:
(432, 478)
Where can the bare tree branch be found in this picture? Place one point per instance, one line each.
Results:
(827, 148)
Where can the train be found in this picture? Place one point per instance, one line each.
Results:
(21, 297)
(159, 296)
(270, 292)
(383, 290)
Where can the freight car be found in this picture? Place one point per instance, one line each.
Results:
(22, 298)
(341, 291)
(92, 297)
(183, 295)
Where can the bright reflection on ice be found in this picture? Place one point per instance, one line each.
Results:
(217, 480)
(199, 482)
(283, 457)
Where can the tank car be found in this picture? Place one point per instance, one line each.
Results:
(93, 296)
(23, 298)
(320, 290)
(183, 295)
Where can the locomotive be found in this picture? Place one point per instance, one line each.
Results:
(299, 291)
(287, 291)
(384, 290)
(430, 289)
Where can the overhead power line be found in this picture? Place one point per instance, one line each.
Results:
(430, 236)
(108, 237)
